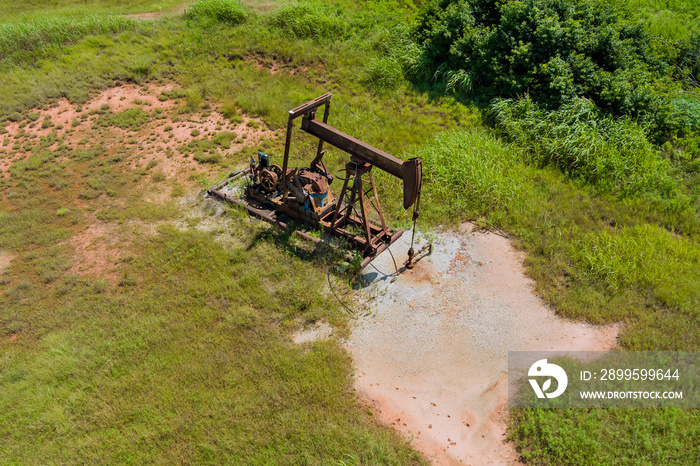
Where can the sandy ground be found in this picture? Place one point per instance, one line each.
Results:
(431, 357)
(98, 249)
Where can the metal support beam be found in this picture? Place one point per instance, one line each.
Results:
(410, 171)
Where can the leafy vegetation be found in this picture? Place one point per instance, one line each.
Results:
(552, 50)
(688, 62)
(673, 19)
(169, 361)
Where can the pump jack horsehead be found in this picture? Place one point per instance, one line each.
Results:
(304, 194)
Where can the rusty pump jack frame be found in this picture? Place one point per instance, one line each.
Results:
(304, 193)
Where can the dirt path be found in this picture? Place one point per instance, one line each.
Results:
(153, 15)
(432, 356)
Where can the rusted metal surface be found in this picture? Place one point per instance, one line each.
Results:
(268, 218)
(412, 255)
(304, 193)
(410, 171)
(310, 106)
(231, 177)
(381, 248)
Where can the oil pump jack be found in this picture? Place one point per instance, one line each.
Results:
(304, 194)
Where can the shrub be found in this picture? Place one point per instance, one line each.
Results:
(208, 157)
(224, 138)
(553, 50)
(158, 176)
(686, 111)
(222, 11)
(309, 21)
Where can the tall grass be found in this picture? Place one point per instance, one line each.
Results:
(398, 54)
(21, 43)
(229, 12)
(674, 19)
(191, 366)
(641, 257)
(470, 174)
(613, 154)
(309, 21)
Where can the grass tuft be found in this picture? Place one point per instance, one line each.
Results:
(229, 12)
(133, 119)
(309, 21)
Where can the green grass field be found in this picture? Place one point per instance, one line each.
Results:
(11, 12)
(185, 355)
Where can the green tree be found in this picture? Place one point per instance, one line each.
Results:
(552, 50)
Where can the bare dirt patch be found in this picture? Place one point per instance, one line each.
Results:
(316, 332)
(153, 15)
(5, 259)
(274, 66)
(97, 251)
(159, 139)
(432, 356)
(148, 131)
(100, 248)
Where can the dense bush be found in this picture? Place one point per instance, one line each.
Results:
(309, 21)
(553, 50)
(223, 11)
(612, 153)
